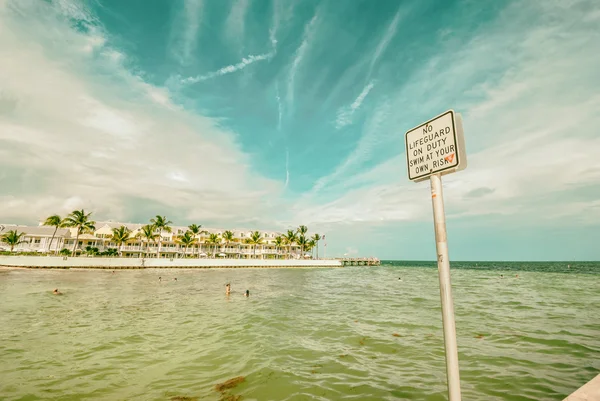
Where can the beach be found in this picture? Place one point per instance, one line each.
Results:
(352, 333)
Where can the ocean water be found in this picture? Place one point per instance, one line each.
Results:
(304, 334)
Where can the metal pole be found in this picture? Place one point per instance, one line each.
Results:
(441, 242)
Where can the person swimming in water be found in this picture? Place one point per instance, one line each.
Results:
(56, 292)
(159, 278)
(227, 289)
(175, 279)
(247, 293)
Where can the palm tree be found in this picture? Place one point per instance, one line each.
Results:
(120, 236)
(255, 239)
(311, 244)
(91, 251)
(279, 241)
(228, 237)
(110, 252)
(161, 224)
(213, 239)
(303, 242)
(80, 220)
(56, 222)
(147, 233)
(289, 240)
(195, 230)
(317, 238)
(187, 239)
(302, 230)
(12, 238)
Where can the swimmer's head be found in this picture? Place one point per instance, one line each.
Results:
(247, 293)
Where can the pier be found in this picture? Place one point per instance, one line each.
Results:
(360, 261)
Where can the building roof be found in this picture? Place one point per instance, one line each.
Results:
(36, 230)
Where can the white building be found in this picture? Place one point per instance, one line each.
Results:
(38, 239)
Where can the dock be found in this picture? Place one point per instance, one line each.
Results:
(360, 261)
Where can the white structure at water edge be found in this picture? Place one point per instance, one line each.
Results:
(38, 238)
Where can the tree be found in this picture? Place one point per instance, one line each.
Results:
(120, 236)
(228, 237)
(279, 241)
(147, 233)
(91, 251)
(255, 239)
(161, 224)
(187, 239)
(54, 221)
(302, 230)
(311, 244)
(213, 239)
(12, 238)
(303, 242)
(195, 230)
(317, 238)
(110, 252)
(79, 220)
(289, 239)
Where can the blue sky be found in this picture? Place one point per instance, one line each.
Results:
(269, 114)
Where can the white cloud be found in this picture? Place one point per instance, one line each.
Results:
(186, 30)
(531, 136)
(75, 130)
(372, 133)
(385, 40)
(307, 37)
(345, 114)
(235, 23)
(246, 61)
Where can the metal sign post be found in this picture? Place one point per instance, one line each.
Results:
(433, 149)
(443, 262)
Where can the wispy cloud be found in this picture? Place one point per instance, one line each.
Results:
(121, 160)
(307, 37)
(236, 20)
(345, 114)
(275, 24)
(385, 40)
(287, 168)
(186, 29)
(511, 161)
(246, 61)
(279, 107)
(372, 132)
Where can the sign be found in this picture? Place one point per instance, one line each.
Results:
(436, 147)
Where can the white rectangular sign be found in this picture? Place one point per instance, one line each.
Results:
(436, 146)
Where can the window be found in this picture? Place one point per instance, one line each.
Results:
(242, 235)
(37, 241)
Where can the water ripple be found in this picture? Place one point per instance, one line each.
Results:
(306, 334)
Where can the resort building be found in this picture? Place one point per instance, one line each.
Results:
(38, 239)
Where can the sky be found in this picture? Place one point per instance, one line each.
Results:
(267, 114)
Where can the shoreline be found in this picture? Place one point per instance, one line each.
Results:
(52, 262)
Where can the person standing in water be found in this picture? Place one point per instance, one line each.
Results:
(247, 293)
(227, 289)
(56, 292)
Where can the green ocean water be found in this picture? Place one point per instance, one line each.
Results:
(304, 334)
